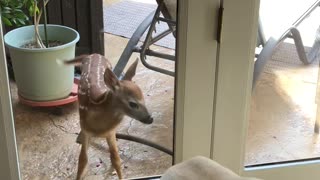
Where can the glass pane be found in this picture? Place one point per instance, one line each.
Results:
(284, 100)
(46, 136)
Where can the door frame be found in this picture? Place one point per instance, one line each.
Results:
(234, 80)
(9, 166)
(197, 55)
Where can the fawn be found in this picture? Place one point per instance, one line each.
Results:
(103, 102)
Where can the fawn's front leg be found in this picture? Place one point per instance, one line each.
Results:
(114, 154)
(83, 157)
(79, 138)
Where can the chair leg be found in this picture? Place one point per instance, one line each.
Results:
(149, 40)
(299, 45)
(126, 54)
(262, 59)
(317, 123)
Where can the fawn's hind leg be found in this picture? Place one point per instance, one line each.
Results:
(83, 157)
(114, 154)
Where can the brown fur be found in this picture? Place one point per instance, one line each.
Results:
(103, 102)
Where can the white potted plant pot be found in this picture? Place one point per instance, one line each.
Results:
(38, 75)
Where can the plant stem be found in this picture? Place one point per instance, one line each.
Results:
(45, 23)
(36, 28)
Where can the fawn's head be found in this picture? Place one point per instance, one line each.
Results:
(127, 95)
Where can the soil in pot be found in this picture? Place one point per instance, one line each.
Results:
(51, 43)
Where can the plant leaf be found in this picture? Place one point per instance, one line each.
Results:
(7, 8)
(5, 12)
(6, 21)
(22, 22)
(17, 10)
(14, 20)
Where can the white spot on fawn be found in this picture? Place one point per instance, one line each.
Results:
(83, 107)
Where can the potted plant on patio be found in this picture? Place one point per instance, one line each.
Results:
(34, 50)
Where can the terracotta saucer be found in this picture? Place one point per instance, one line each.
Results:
(70, 99)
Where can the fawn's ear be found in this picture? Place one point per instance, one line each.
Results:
(111, 80)
(131, 71)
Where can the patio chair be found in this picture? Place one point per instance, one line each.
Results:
(289, 30)
(168, 9)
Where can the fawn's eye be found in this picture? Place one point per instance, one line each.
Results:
(133, 105)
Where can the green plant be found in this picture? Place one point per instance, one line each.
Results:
(12, 13)
(19, 12)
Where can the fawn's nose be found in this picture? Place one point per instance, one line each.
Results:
(148, 120)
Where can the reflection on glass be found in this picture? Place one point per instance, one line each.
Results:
(284, 102)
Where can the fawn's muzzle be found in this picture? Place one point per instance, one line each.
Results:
(148, 120)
